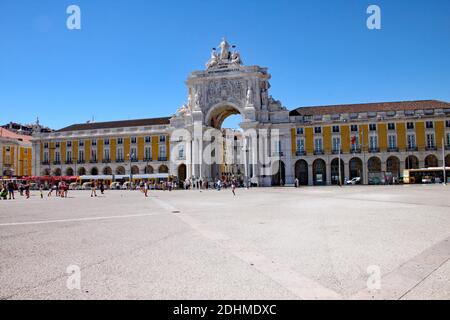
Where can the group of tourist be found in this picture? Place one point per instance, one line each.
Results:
(7, 190)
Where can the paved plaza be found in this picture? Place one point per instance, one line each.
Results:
(264, 243)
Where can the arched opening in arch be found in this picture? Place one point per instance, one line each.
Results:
(411, 162)
(447, 160)
(356, 168)
(374, 165)
(148, 169)
(9, 173)
(163, 169)
(134, 170)
(94, 171)
(46, 172)
(107, 171)
(335, 171)
(393, 166)
(81, 171)
(182, 172)
(69, 172)
(301, 172)
(120, 170)
(431, 161)
(278, 173)
(224, 116)
(319, 172)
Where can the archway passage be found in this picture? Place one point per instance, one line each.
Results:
(278, 173)
(356, 168)
(120, 170)
(94, 171)
(411, 162)
(148, 170)
(374, 171)
(9, 173)
(301, 172)
(335, 171)
(182, 172)
(134, 170)
(431, 161)
(163, 169)
(107, 171)
(57, 172)
(319, 172)
(393, 166)
(46, 172)
(447, 160)
(69, 172)
(81, 171)
(217, 115)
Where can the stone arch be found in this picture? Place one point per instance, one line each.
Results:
(335, 171)
(163, 169)
(81, 171)
(148, 169)
(219, 112)
(374, 165)
(447, 160)
(69, 172)
(319, 172)
(393, 166)
(431, 161)
(134, 170)
(120, 170)
(411, 162)
(94, 171)
(301, 172)
(46, 172)
(278, 173)
(355, 166)
(57, 172)
(9, 173)
(182, 172)
(107, 171)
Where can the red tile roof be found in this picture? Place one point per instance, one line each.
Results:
(117, 124)
(5, 133)
(370, 107)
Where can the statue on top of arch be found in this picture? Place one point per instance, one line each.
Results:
(225, 57)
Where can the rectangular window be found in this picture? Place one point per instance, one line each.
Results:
(430, 124)
(119, 140)
(317, 130)
(81, 143)
(148, 139)
(69, 144)
(57, 157)
(430, 140)
(45, 145)
(162, 151)
(133, 140)
(162, 138)
(411, 141)
(181, 153)
(448, 140)
(80, 155)
(354, 127)
(391, 126)
(372, 127)
(69, 156)
(300, 145)
(373, 142)
(336, 143)
(94, 155)
(447, 123)
(392, 140)
(318, 144)
(336, 129)
(45, 157)
(133, 154)
(148, 153)
(94, 143)
(106, 142)
(57, 144)
(410, 125)
(120, 154)
(106, 154)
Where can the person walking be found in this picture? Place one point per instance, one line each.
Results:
(146, 189)
(102, 187)
(41, 188)
(296, 183)
(11, 190)
(27, 190)
(233, 187)
(93, 188)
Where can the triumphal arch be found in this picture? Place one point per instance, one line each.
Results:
(224, 88)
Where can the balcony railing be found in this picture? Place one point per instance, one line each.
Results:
(430, 148)
(148, 159)
(80, 161)
(182, 158)
(318, 152)
(355, 150)
(93, 161)
(69, 162)
(56, 163)
(162, 158)
(336, 151)
(45, 163)
(412, 149)
(277, 154)
(106, 161)
(300, 153)
(374, 150)
(447, 147)
(120, 160)
(392, 149)
(134, 160)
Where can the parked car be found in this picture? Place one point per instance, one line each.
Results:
(114, 186)
(74, 186)
(126, 185)
(86, 186)
(356, 180)
(427, 179)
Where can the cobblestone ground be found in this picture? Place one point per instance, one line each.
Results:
(356, 242)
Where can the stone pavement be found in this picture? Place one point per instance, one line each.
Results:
(267, 243)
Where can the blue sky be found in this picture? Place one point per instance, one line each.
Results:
(131, 58)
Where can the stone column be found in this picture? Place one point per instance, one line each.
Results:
(346, 172)
(328, 166)
(289, 170)
(189, 158)
(310, 175)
